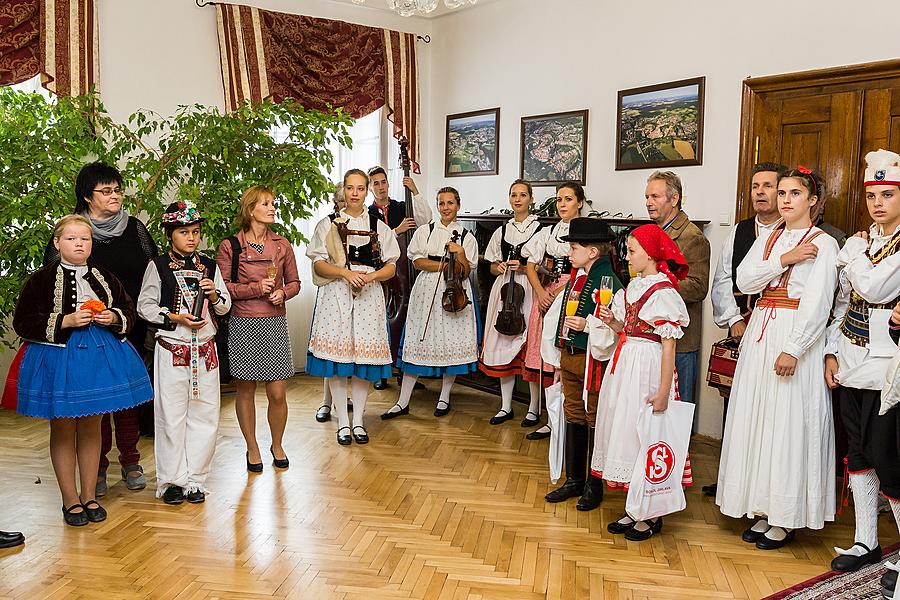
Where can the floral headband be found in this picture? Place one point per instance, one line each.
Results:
(187, 214)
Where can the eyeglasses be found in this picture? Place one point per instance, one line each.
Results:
(109, 191)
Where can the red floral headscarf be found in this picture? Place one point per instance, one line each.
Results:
(660, 247)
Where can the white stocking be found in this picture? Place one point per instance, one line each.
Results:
(446, 386)
(864, 486)
(338, 387)
(406, 390)
(326, 395)
(507, 384)
(534, 406)
(360, 393)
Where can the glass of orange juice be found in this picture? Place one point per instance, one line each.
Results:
(604, 292)
(571, 309)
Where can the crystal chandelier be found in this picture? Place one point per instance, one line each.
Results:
(407, 8)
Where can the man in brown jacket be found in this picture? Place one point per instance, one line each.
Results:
(663, 200)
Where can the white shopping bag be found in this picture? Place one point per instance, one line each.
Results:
(890, 392)
(554, 397)
(655, 489)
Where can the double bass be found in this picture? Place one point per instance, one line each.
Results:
(397, 289)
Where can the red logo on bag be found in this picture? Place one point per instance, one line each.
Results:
(660, 462)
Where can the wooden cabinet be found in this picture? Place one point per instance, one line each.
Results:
(826, 120)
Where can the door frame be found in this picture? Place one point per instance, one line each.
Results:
(802, 81)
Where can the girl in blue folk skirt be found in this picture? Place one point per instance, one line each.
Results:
(76, 364)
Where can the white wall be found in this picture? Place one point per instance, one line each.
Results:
(538, 56)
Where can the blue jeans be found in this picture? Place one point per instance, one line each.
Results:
(686, 367)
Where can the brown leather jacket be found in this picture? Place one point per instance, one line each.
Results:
(695, 247)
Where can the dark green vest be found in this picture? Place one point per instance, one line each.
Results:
(586, 303)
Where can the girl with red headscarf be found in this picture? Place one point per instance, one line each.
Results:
(648, 317)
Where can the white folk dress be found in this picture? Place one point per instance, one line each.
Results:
(625, 390)
(450, 344)
(778, 448)
(498, 349)
(546, 241)
(349, 334)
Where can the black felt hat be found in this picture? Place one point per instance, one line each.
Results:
(586, 230)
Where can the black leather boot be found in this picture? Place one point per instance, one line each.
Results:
(593, 487)
(576, 442)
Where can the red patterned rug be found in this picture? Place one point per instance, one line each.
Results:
(863, 584)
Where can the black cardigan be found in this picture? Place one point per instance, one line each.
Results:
(50, 294)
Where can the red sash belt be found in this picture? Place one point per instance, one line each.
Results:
(181, 353)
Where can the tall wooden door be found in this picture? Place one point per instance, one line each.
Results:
(826, 120)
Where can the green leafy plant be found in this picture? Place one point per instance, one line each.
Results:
(198, 154)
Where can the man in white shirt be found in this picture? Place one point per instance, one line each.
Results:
(731, 308)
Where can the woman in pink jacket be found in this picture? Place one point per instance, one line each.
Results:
(258, 344)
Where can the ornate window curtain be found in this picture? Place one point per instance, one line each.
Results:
(317, 62)
(54, 38)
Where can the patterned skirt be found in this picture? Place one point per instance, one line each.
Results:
(259, 349)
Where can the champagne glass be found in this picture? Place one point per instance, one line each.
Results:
(605, 290)
(272, 270)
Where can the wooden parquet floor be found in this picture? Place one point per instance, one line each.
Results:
(443, 509)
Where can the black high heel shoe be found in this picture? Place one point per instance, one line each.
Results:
(281, 463)
(253, 467)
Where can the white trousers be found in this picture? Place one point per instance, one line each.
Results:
(185, 436)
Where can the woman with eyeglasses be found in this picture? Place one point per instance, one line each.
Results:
(123, 246)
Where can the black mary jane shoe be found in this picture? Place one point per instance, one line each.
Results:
(281, 463)
(710, 490)
(530, 422)
(344, 440)
(636, 535)
(618, 528)
(360, 438)
(767, 543)
(174, 494)
(506, 416)
(537, 434)
(195, 497)
(386, 416)
(323, 414)
(750, 536)
(95, 513)
(381, 384)
(442, 412)
(75, 519)
(10, 539)
(252, 467)
(846, 563)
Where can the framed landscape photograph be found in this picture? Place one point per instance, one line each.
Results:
(660, 125)
(554, 148)
(473, 142)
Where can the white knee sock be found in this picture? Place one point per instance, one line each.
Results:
(507, 384)
(406, 389)
(326, 395)
(865, 504)
(895, 508)
(338, 387)
(446, 385)
(534, 405)
(360, 393)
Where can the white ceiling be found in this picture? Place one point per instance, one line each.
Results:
(438, 12)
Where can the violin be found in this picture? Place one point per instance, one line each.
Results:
(454, 298)
(511, 318)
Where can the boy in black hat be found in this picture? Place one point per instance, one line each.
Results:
(593, 274)
(180, 291)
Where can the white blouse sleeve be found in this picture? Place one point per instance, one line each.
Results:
(602, 340)
(148, 307)
(417, 247)
(224, 303)
(617, 306)
(549, 352)
(815, 305)
(470, 245)
(841, 303)
(493, 252)
(390, 249)
(878, 284)
(533, 250)
(316, 249)
(421, 210)
(666, 312)
(755, 273)
(725, 308)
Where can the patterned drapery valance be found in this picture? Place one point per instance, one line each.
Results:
(318, 62)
